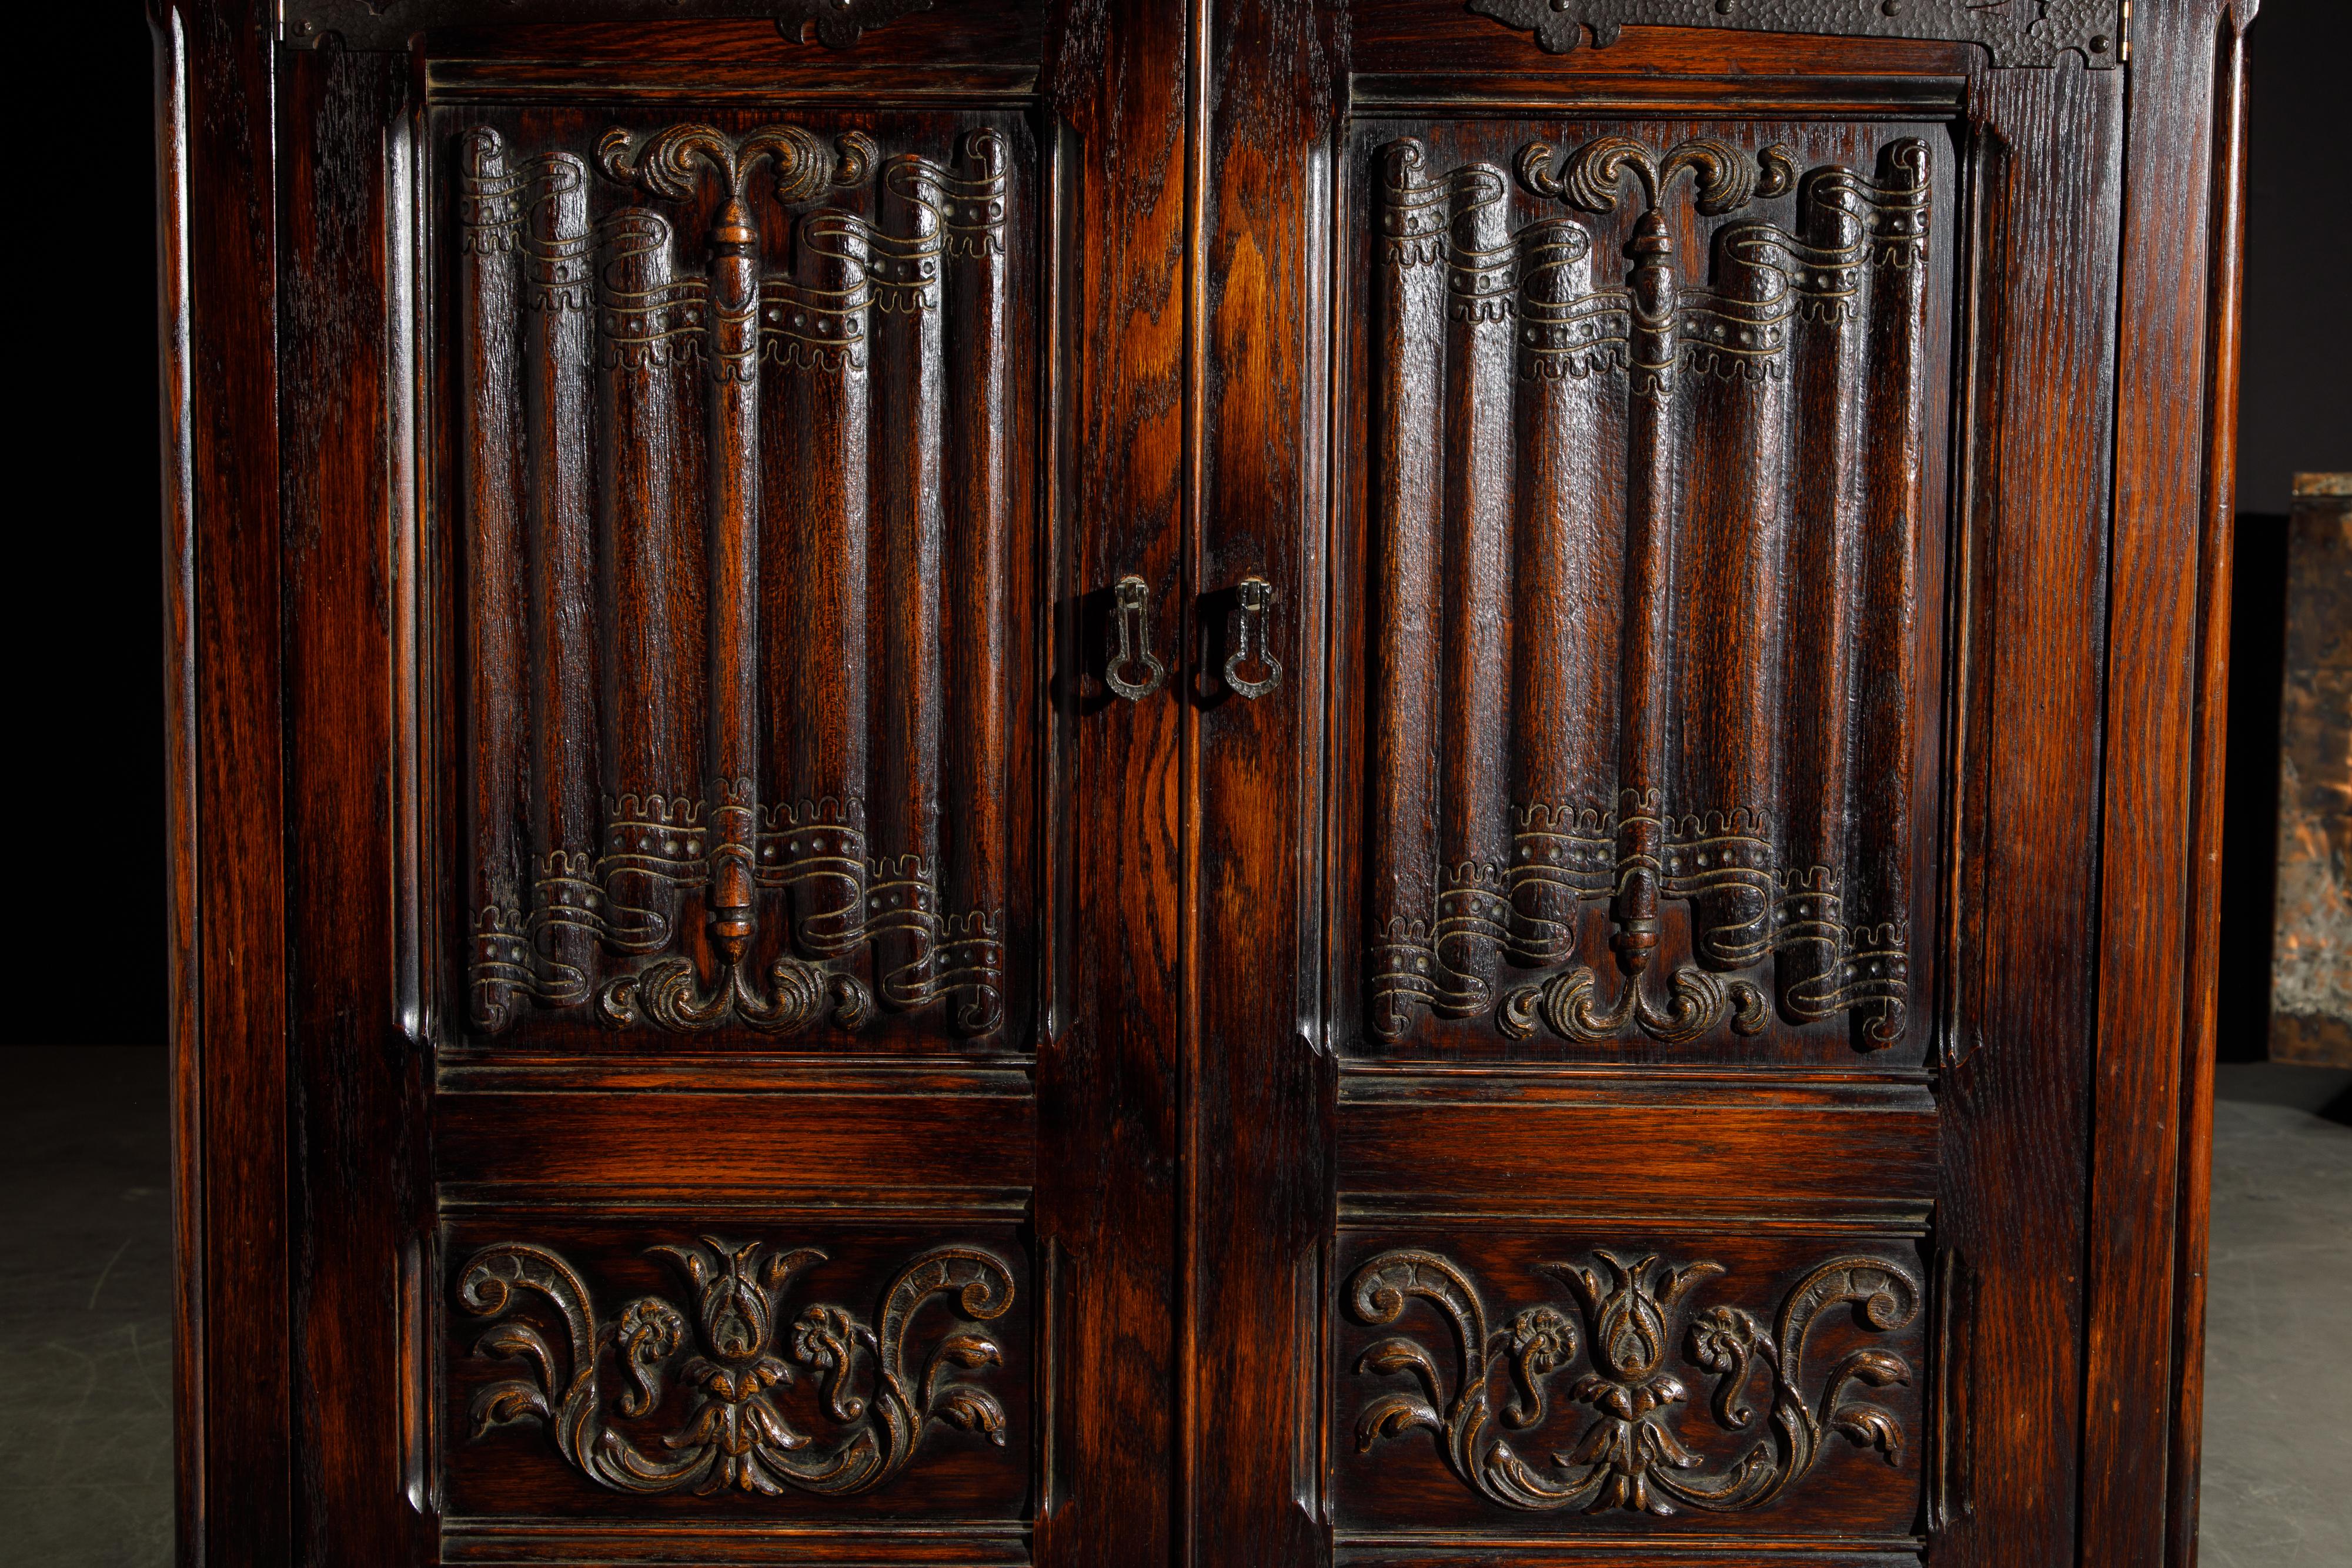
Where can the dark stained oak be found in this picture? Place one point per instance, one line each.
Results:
(1257, 783)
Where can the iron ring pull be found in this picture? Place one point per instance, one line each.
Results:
(1255, 595)
(1134, 614)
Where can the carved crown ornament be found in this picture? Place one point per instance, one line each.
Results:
(387, 24)
(2016, 32)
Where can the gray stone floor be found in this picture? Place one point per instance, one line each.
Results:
(85, 1327)
(2278, 1378)
(85, 1309)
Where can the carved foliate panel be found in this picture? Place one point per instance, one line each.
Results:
(1624, 1381)
(736, 1371)
(1652, 496)
(736, 512)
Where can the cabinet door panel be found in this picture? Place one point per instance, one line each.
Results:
(1657, 413)
(742, 552)
(1710, 468)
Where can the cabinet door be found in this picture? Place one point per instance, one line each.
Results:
(722, 1109)
(1721, 502)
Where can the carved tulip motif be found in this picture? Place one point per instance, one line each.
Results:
(734, 1437)
(1627, 1455)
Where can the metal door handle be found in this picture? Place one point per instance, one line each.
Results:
(1253, 596)
(1134, 616)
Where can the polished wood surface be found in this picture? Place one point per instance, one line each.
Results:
(1249, 781)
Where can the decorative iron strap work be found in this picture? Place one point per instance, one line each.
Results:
(698, 735)
(1645, 629)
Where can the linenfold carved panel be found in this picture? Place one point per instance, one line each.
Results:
(738, 499)
(1648, 503)
(1649, 1386)
(612, 1370)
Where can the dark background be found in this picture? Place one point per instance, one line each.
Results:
(85, 648)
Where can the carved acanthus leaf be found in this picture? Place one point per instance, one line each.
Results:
(1628, 1454)
(732, 1435)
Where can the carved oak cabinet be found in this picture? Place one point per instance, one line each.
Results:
(1249, 782)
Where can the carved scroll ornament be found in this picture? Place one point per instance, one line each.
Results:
(1627, 1455)
(726, 1349)
(2016, 32)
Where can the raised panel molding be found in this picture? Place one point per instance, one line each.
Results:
(735, 512)
(2017, 32)
(1644, 623)
(724, 1351)
(390, 23)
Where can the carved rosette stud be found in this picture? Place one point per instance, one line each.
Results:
(726, 1349)
(1627, 1455)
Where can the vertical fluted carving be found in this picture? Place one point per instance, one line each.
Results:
(732, 354)
(651, 535)
(1735, 353)
(1897, 212)
(489, 324)
(1570, 546)
(1825, 541)
(971, 956)
(1651, 476)
(818, 354)
(559, 415)
(1474, 830)
(736, 558)
(1408, 624)
(1672, 565)
(909, 391)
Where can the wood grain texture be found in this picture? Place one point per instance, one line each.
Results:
(2156, 586)
(1495, 1153)
(563, 416)
(2193, 1222)
(346, 288)
(235, 909)
(739, 746)
(2015, 1093)
(1646, 650)
(177, 418)
(1111, 1074)
(892, 1370)
(1618, 1365)
(1267, 91)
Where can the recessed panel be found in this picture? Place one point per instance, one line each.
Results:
(1651, 487)
(738, 574)
(1628, 1382)
(749, 1370)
